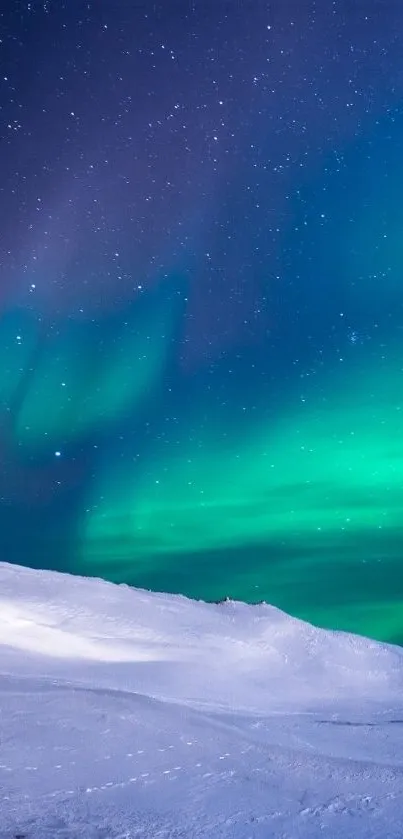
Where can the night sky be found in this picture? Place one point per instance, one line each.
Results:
(201, 299)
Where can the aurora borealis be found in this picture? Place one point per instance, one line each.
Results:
(201, 301)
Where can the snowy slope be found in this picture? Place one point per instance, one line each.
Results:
(130, 714)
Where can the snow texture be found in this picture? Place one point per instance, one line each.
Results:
(131, 715)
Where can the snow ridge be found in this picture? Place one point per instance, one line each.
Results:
(125, 713)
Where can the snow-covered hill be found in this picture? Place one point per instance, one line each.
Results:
(130, 714)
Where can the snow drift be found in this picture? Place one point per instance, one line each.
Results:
(125, 713)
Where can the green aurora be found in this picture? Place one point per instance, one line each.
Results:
(316, 499)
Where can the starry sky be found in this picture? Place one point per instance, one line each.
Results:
(201, 299)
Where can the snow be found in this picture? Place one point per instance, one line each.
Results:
(126, 714)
